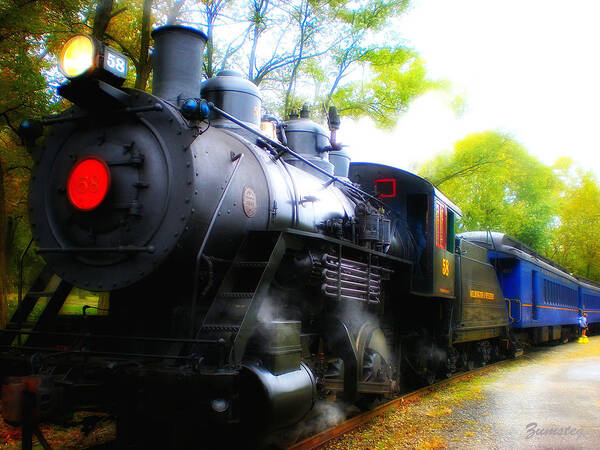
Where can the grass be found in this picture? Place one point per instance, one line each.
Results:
(77, 299)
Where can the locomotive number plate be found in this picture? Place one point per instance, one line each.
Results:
(445, 267)
(249, 202)
(115, 63)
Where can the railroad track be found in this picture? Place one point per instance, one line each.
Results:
(327, 435)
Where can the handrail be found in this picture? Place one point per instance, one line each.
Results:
(509, 300)
(238, 160)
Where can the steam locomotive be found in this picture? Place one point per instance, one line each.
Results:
(249, 276)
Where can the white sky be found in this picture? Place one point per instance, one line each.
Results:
(527, 67)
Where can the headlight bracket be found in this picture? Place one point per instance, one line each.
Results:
(93, 94)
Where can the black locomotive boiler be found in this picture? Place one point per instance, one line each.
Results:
(249, 277)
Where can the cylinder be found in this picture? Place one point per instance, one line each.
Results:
(276, 401)
(178, 55)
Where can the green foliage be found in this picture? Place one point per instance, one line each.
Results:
(576, 242)
(392, 75)
(30, 33)
(372, 14)
(129, 32)
(313, 71)
(498, 186)
(340, 52)
(399, 77)
(3, 271)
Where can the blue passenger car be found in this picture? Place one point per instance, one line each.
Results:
(542, 298)
(589, 300)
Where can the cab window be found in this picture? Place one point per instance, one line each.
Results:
(450, 231)
(440, 224)
(444, 227)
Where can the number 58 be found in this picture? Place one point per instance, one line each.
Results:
(445, 267)
(114, 62)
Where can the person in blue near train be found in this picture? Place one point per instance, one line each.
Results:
(583, 324)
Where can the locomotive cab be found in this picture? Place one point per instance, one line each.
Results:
(424, 224)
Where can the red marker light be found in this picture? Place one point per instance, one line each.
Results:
(385, 187)
(88, 183)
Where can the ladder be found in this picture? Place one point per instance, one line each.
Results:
(47, 284)
(234, 312)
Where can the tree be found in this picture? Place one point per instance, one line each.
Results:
(3, 270)
(399, 76)
(320, 52)
(144, 62)
(102, 18)
(307, 23)
(576, 238)
(333, 38)
(353, 48)
(212, 9)
(258, 25)
(498, 186)
(128, 29)
(31, 32)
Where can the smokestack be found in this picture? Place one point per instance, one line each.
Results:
(178, 54)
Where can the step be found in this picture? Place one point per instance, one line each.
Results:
(217, 327)
(251, 264)
(236, 295)
(39, 294)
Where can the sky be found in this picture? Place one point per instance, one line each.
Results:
(529, 68)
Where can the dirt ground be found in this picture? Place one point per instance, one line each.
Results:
(85, 432)
(549, 398)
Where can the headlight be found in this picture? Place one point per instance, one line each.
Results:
(77, 56)
(84, 57)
